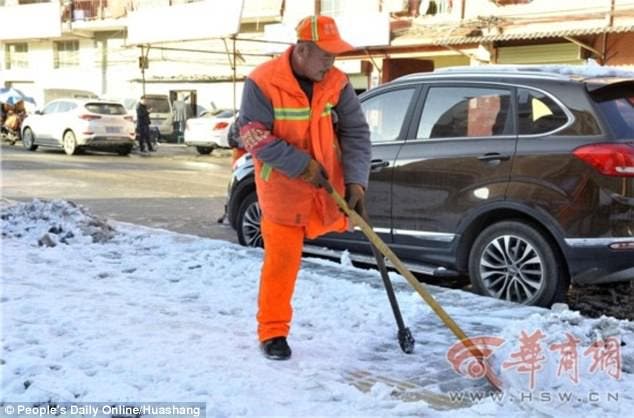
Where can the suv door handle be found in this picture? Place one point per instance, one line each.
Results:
(378, 165)
(492, 156)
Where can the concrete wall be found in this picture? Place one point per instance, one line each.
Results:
(119, 76)
(41, 73)
(619, 49)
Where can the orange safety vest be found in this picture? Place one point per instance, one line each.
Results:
(287, 200)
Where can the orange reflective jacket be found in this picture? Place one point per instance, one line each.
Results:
(287, 200)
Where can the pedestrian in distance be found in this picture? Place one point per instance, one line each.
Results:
(181, 112)
(143, 126)
(302, 122)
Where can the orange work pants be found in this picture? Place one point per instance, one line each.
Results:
(283, 245)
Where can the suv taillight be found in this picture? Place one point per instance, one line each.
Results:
(609, 159)
(89, 117)
(221, 125)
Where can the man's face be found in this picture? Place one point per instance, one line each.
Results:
(316, 62)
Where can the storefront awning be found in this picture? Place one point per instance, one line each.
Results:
(514, 36)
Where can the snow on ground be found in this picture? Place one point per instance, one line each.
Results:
(96, 311)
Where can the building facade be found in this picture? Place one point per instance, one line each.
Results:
(119, 48)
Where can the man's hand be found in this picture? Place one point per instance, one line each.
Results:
(315, 174)
(355, 196)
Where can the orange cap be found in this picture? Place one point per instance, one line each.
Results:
(322, 30)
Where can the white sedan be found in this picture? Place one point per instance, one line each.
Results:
(75, 124)
(209, 131)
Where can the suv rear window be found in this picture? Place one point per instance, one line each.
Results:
(157, 104)
(538, 113)
(106, 108)
(619, 114)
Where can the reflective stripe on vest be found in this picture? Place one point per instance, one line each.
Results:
(288, 113)
(265, 173)
(328, 110)
(299, 113)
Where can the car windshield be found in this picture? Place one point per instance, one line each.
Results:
(106, 108)
(157, 104)
(619, 113)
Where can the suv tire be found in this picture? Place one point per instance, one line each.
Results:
(70, 143)
(28, 140)
(204, 150)
(248, 222)
(125, 150)
(512, 260)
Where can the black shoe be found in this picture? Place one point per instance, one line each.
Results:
(276, 349)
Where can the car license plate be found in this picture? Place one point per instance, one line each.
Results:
(112, 129)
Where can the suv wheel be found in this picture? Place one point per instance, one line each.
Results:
(124, 150)
(28, 140)
(70, 143)
(249, 231)
(512, 261)
(204, 150)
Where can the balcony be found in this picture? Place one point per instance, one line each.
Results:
(28, 21)
(95, 15)
(262, 11)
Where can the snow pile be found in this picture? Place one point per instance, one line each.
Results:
(590, 70)
(49, 223)
(579, 365)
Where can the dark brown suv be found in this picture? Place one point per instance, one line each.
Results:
(520, 177)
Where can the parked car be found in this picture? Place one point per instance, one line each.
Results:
(160, 110)
(209, 131)
(75, 124)
(520, 177)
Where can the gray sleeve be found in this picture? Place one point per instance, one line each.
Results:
(354, 137)
(279, 154)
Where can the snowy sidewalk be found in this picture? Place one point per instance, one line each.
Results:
(130, 314)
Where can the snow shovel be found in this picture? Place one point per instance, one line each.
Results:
(378, 243)
(405, 339)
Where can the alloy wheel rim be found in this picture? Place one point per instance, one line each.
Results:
(68, 142)
(251, 226)
(512, 269)
(28, 138)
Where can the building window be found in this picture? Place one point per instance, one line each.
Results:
(16, 55)
(66, 54)
(436, 7)
(346, 7)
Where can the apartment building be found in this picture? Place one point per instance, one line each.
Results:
(518, 32)
(122, 48)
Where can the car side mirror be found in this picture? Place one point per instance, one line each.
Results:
(39, 112)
